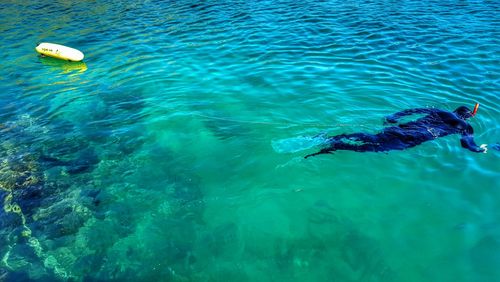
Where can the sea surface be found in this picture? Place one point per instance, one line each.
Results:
(174, 152)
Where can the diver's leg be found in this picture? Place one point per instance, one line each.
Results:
(348, 142)
(322, 151)
(359, 142)
(363, 137)
(332, 142)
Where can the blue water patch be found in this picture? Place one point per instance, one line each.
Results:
(174, 152)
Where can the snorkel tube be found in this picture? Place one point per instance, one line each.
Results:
(475, 109)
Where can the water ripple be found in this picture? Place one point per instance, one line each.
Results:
(183, 101)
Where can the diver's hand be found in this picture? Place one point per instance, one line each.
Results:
(484, 147)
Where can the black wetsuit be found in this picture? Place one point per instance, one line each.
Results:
(436, 123)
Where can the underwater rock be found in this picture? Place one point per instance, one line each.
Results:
(20, 256)
(92, 195)
(40, 214)
(123, 99)
(65, 147)
(29, 197)
(21, 181)
(3, 274)
(84, 162)
(130, 141)
(16, 276)
(61, 219)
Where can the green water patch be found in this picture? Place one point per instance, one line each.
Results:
(176, 153)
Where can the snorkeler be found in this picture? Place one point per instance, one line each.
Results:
(436, 123)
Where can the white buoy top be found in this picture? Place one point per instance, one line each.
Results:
(59, 52)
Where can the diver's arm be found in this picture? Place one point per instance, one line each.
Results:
(467, 141)
(394, 117)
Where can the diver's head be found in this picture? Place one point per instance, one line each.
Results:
(463, 112)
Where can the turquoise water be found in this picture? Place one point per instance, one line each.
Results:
(180, 141)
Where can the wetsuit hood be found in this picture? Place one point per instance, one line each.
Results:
(463, 112)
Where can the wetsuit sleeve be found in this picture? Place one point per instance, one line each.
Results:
(394, 117)
(467, 141)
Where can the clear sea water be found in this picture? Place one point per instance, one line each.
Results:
(175, 151)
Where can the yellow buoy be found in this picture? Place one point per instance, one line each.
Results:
(59, 52)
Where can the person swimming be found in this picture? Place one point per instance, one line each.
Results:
(436, 123)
